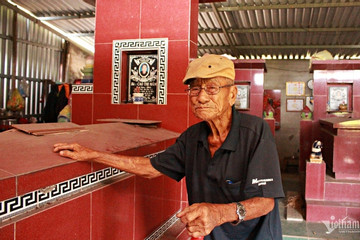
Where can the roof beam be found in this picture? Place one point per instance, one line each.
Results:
(281, 6)
(81, 34)
(37, 21)
(41, 23)
(223, 28)
(262, 47)
(281, 30)
(65, 16)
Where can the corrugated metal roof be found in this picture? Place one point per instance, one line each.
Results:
(278, 29)
(74, 18)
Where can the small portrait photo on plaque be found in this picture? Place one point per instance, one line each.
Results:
(242, 97)
(338, 95)
(143, 78)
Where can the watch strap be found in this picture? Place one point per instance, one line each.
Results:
(241, 212)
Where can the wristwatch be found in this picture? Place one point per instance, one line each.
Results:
(241, 212)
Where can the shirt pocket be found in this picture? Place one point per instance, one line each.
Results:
(233, 190)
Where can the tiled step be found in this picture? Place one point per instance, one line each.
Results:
(342, 190)
(322, 186)
(318, 211)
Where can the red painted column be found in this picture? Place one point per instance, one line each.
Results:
(157, 199)
(305, 143)
(145, 19)
(252, 72)
(315, 181)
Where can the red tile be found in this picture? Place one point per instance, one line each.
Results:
(169, 142)
(356, 106)
(150, 187)
(117, 21)
(345, 159)
(70, 220)
(320, 103)
(257, 81)
(341, 76)
(193, 49)
(320, 84)
(256, 104)
(356, 87)
(306, 142)
(82, 106)
(102, 68)
(113, 211)
(184, 196)
(319, 213)
(243, 75)
(7, 232)
(151, 148)
(170, 208)
(173, 115)
(315, 179)
(353, 213)
(129, 152)
(104, 109)
(184, 204)
(40, 179)
(346, 192)
(98, 166)
(7, 188)
(178, 59)
(148, 216)
(158, 22)
(194, 12)
(5, 175)
(347, 176)
(172, 189)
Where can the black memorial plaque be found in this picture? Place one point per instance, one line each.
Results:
(143, 77)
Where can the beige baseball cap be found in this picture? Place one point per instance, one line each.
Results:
(209, 66)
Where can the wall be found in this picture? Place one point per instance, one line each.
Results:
(76, 61)
(142, 19)
(278, 73)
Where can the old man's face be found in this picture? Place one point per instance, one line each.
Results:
(214, 104)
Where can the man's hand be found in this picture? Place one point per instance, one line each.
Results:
(75, 151)
(202, 218)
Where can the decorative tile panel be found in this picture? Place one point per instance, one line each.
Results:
(163, 228)
(158, 44)
(32, 200)
(82, 88)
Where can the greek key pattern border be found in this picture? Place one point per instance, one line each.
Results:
(33, 200)
(163, 228)
(158, 44)
(82, 88)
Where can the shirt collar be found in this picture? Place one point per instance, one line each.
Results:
(231, 139)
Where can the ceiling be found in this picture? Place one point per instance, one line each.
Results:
(245, 29)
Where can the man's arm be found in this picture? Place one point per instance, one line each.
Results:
(137, 165)
(202, 218)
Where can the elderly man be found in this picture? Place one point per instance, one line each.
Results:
(229, 160)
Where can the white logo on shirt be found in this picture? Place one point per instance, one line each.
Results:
(261, 181)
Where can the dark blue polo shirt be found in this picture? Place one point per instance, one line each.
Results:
(245, 166)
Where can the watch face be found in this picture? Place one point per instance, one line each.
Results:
(310, 84)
